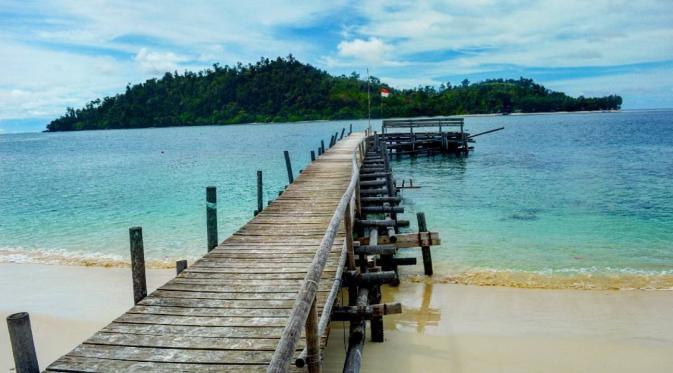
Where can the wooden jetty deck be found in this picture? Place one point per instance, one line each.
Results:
(262, 299)
(228, 310)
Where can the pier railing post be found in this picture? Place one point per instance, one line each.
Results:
(211, 216)
(288, 165)
(138, 264)
(260, 193)
(180, 266)
(350, 129)
(322, 147)
(23, 346)
(427, 257)
(343, 131)
(312, 340)
(312, 156)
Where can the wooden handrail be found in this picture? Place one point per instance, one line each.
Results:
(282, 356)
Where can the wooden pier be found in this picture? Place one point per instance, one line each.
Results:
(262, 299)
(425, 135)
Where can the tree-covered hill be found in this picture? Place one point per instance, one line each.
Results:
(284, 89)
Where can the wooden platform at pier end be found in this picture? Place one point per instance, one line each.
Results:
(227, 311)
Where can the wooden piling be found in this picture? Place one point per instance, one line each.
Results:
(138, 264)
(350, 129)
(312, 340)
(23, 346)
(211, 217)
(357, 337)
(343, 131)
(260, 192)
(180, 266)
(312, 156)
(427, 257)
(288, 165)
(322, 146)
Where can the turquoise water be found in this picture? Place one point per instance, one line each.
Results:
(551, 196)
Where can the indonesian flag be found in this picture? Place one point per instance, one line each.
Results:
(385, 92)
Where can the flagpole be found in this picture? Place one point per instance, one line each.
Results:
(369, 104)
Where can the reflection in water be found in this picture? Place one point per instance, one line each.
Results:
(418, 317)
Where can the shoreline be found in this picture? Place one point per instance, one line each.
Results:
(465, 327)
(626, 280)
(476, 115)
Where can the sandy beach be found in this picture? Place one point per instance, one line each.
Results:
(444, 327)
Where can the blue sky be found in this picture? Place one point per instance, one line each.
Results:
(55, 54)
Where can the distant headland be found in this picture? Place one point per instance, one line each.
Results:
(286, 90)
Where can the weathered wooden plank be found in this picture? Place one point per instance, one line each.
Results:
(196, 295)
(90, 364)
(173, 285)
(171, 355)
(200, 331)
(179, 341)
(138, 318)
(210, 311)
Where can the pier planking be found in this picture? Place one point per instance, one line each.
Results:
(226, 311)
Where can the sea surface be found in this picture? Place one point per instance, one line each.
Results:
(553, 201)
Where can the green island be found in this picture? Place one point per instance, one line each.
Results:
(286, 90)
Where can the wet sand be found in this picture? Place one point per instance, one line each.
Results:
(459, 328)
(444, 327)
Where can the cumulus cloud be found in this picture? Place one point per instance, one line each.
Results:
(373, 50)
(67, 52)
(158, 62)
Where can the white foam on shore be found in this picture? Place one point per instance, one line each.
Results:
(64, 257)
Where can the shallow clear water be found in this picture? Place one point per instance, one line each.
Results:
(550, 196)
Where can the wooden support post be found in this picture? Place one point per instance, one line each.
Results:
(288, 165)
(211, 217)
(138, 264)
(23, 346)
(343, 131)
(322, 146)
(312, 340)
(260, 192)
(357, 337)
(312, 156)
(180, 266)
(350, 129)
(427, 257)
(319, 151)
(348, 227)
(336, 137)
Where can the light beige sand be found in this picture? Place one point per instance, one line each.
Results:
(444, 328)
(67, 304)
(458, 328)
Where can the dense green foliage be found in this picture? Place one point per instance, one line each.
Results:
(284, 90)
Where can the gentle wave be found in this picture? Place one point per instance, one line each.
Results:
(564, 279)
(63, 257)
(575, 278)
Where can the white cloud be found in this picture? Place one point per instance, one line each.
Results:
(157, 62)
(373, 50)
(68, 52)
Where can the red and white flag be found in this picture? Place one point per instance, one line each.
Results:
(385, 92)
